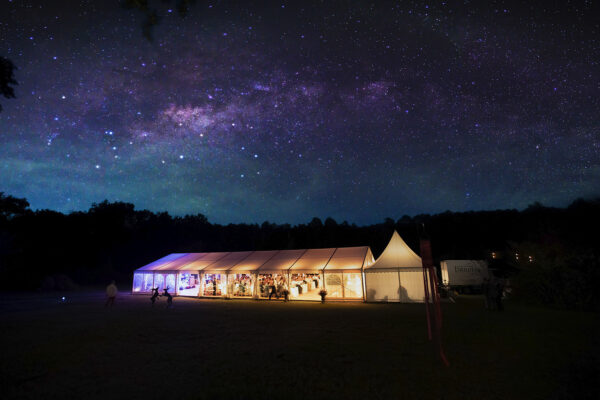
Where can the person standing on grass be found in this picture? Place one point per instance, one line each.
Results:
(492, 294)
(154, 295)
(111, 294)
(485, 288)
(499, 293)
(169, 298)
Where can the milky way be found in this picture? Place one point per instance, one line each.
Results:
(353, 110)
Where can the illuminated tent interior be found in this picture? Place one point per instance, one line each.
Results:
(255, 274)
(344, 272)
(396, 276)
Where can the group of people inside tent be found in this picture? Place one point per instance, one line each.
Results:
(272, 285)
(240, 285)
(304, 283)
(212, 285)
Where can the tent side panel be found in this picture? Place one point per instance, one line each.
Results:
(382, 285)
(411, 285)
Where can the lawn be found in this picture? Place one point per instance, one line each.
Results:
(237, 349)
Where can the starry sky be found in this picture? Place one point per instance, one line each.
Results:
(289, 110)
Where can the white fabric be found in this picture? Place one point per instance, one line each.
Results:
(382, 286)
(347, 258)
(397, 254)
(254, 261)
(412, 287)
(281, 261)
(182, 262)
(397, 274)
(313, 260)
(206, 260)
(224, 263)
(158, 264)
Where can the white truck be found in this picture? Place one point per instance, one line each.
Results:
(464, 276)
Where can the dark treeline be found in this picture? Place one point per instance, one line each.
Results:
(550, 254)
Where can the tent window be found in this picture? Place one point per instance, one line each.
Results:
(142, 282)
(305, 286)
(188, 284)
(333, 285)
(352, 285)
(268, 283)
(162, 281)
(214, 285)
(241, 285)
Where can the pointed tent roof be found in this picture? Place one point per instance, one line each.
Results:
(397, 254)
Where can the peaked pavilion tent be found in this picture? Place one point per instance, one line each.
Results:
(396, 276)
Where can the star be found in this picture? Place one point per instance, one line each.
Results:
(403, 107)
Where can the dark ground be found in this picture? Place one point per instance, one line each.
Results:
(236, 349)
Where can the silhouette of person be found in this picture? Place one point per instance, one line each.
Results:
(485, 288)
(111, 294)
(499, 292)
(492, 294)
(285, 291)
(169, 297)
(154, 295)
(273, 291)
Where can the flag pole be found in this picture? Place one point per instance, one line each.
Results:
(434, 317)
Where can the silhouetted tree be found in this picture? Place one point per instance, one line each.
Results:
(11, 207)
(315, 223)
(330, 223)
(7, 78)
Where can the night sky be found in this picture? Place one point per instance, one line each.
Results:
(352, 110)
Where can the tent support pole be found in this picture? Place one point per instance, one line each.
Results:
(436, 312)
(426, 289)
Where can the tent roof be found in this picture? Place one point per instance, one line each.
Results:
(230, 260)
(272, 261)
(349, 258)
(281, 261)
(254, 261)
(163, 262)
(397, 254)
(313, 260)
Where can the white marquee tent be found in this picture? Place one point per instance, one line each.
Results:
(345, 273)
(396, 276)
(252, 273)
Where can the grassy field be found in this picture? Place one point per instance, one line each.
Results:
(219, 349)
